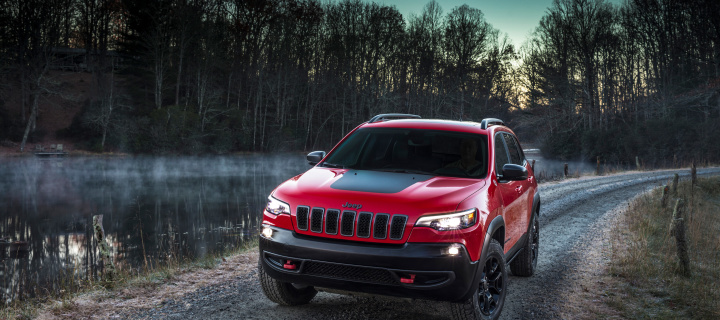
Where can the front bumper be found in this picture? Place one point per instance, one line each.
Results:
(412, 270)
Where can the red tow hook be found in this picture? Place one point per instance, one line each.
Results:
(289, 265)
(408, 280)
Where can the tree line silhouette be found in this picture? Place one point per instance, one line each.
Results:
(216, 76)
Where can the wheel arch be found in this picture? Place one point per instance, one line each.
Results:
(536, 203)
(495, 231)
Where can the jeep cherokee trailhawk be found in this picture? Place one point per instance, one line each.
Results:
(402, 206)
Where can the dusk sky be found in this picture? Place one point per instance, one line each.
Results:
(517, 18)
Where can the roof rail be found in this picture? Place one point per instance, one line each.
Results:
(388, 116)
(489, 122)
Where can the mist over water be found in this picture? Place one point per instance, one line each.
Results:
(157, 208)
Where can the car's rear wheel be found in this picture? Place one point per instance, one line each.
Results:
(488, 300)
(525, 263)
(284, 293)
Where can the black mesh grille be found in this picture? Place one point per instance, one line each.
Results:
(380, 228)
(363, 225)
(397, 227)
(348, 223)
(302, 217)
(352, 273)
(331, 221)
(334, 221)
(316, 220)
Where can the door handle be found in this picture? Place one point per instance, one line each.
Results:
(518, 189)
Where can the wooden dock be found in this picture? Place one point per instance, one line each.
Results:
(55, 151)
(50, 154)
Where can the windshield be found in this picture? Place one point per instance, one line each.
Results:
(435, 152)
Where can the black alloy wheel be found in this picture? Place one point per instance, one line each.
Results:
(492, 286)
(488, 300)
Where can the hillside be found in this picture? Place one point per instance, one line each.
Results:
(56, 112)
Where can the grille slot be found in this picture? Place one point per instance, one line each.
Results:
(380, 226)
(345, 272)
(363, 224)
(350, 223)
(316, 218)
(302, 217)
(331, 221)
(347, 226)
(397, 227)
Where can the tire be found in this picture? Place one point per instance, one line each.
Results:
(487, 302)
(284, 293)
(525, 263)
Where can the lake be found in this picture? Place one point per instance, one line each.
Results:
(154, 209)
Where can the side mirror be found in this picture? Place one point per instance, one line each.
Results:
(314, 157)
(514, 172)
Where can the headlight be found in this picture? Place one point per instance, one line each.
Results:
(449, 221)
(276, 206)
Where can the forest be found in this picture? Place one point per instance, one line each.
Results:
(594, 79)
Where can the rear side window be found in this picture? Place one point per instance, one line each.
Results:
(501, 157)
(514, 149)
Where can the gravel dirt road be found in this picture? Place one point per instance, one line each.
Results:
(576, 216)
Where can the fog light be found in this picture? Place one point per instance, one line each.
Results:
(453, 250)
(267, 232)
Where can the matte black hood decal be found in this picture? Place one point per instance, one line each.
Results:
(377, 181)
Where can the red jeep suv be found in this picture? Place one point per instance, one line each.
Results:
(403, 206)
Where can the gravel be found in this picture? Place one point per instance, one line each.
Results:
(574, 213)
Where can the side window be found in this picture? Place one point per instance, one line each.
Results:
(501, 157)
(520, 150)
(513, 148)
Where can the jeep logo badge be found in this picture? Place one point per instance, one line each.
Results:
(352, 205)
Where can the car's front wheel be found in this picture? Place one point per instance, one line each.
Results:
(284, 293)
(488, 300)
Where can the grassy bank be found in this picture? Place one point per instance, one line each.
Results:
(126, 283)
(650, 282)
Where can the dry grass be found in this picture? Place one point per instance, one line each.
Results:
(644, 257)
(90, 299)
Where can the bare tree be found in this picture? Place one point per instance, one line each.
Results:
(103, 115)
(467, 36)
(34, 31)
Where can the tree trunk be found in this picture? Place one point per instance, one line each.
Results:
(104, 247)
(179, 75)
(31, 121)
(102, 144)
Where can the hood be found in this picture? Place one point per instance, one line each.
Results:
(377, 192)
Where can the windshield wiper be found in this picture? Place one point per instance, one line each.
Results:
(407, 171)
(332, 165)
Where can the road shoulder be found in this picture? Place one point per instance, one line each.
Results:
(590, 284)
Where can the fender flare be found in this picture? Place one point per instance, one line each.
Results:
(497, 223)
(535, 211)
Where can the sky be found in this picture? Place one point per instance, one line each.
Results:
(517, 18)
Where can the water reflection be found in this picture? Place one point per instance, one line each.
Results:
(154, 209)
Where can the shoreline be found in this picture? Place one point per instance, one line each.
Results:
(134, 292)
